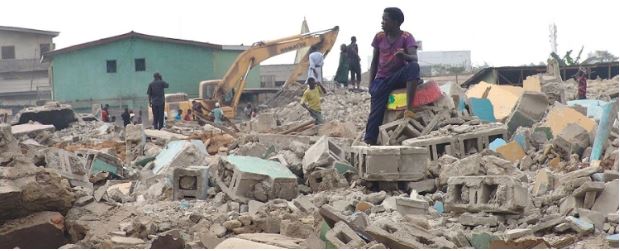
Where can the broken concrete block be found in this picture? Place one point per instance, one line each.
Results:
(572, 139)
(181, 153)
(468, 219)
(607, 201)
(391, 163)
(517, 233)
(246, 178)
(589, 187)
(408, 206)
(326, 179)
(31, 129)
(190, 182)
(596, 218)
(295, 229)
(579, 225)
(237, 243)
(547, 223)
(38, 230)
(511, 151)
(482, 240)
(561, 228)
(25, 189)
(612, 240)
(560, 116)
(479, 140)
(469, 166)
(438, 146)
(323, 153)
(278, 240)
(264, 122)
(486, 194)
(69, 165)
(304, 204)
(612, 217)
(589, 199)
(427, 185)
(530, 109)
(375, 198)
(543, 183)
(392, 236)
(342, 236)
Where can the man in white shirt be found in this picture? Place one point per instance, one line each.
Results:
(315, 64)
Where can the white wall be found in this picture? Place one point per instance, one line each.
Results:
(26, 44)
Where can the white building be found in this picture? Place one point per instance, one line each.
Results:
(23, 78)
(430, 59)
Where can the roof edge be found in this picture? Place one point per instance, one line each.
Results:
(28, 30)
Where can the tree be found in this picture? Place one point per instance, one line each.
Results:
(600, 57)
(568, 60)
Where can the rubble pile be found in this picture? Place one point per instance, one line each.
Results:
(470, 170)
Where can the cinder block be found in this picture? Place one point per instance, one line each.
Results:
(411, 206)
(572, 139)
(39, 230)
(498, 194)
(245, 178)
(342, 236)
(190, 182)
(390, 163)
(323, 151)
(437, 146)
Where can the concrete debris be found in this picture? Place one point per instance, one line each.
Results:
(490, 167)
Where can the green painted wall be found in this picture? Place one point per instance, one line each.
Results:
(81, 75)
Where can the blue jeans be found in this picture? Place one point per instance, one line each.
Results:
(380, 90)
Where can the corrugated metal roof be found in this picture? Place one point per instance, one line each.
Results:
(133, 34)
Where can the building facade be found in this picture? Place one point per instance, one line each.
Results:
(117, 70)
(23, 78)
(275, 75)
(434, 62)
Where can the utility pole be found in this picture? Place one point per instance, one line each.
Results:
(553, 36)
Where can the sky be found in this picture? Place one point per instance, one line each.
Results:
(498, 33)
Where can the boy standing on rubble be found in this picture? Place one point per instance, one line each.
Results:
(394, 66)
(311, 100)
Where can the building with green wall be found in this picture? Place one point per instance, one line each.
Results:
(117, 70)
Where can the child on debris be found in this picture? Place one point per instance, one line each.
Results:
(188, 115)
(179, 115)
(217, 114)
(311, 100)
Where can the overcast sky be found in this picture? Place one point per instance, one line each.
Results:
(499, 33)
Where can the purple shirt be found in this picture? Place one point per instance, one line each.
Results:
(388, 62)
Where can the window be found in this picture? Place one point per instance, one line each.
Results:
(140, 64)
(8, 52)
(43, 48)
(111, 65)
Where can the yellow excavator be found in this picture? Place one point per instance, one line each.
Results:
(233, 82)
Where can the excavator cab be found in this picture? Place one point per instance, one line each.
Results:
(206, 91)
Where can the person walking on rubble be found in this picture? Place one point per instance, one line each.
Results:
(217, 114)
(315, 64)
(311, 100)
(354, 63)
(105, 113)
(342, 74)
(394, 65)
(156, 100)
(582, 85)
(126, 117)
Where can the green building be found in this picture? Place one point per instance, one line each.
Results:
(117, 70)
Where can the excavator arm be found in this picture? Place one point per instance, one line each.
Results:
(235, 77)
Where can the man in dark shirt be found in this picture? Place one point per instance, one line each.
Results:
(156, 100)
(126, 117)
(354, 63)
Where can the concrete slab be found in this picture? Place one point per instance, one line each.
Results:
(39, 230)
(504, 98)
(560, 116)
(482, 108)
(607, 201)
(164, 135)
(511, 151)
(23, 129)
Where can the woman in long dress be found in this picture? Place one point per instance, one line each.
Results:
(342, 74)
